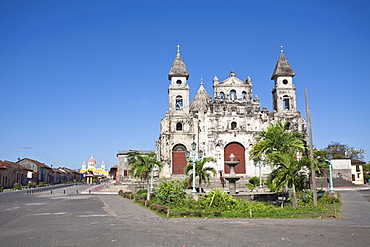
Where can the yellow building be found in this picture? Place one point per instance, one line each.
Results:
(92, 167)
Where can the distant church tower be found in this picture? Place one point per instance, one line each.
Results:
(283, 94)
(178, 92)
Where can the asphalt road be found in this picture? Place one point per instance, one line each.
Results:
(71, 219)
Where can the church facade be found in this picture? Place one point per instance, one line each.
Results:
(223, 124)
(91, 166)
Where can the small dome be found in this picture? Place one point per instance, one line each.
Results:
(92, 160)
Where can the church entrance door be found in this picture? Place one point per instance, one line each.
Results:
(178, 159)
(239, 151)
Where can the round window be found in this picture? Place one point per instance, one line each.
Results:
(285, 81)
(178, 82)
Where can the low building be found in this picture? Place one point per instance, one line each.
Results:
(43, 171)
(350, 170)
(123, 167)
(68, 175)
(11, 173)
(113, 173)
(357, 171)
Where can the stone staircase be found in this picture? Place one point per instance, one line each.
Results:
(337, 182)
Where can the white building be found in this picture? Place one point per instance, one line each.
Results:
(225, 124)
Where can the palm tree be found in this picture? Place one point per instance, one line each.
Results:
(132, 156)
(277, 140)
(286, 152)
(142, 165)
(204, 173)
(288, 171)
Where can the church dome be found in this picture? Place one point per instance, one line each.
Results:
(92, 160)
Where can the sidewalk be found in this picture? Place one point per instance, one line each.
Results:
(102, 189)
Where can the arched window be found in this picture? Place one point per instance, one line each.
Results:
(286, 102)
(178, 82)
(178, 103)
(179, 126)
(232, 95)
(233, 125)
(222, 96)
(244, 95)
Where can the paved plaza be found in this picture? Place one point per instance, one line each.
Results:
(68, 218)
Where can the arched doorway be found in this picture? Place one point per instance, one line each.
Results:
(178, 159)
(239, 151)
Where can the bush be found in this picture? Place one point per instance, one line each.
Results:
(328, 199)
(171, 192)
(17, 186)
(159, 208)
(218, 199)
(1, 188)
(141, 192)
(32, 185)
(253, 183)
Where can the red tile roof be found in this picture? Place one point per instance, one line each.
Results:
(357, 162)
(37, 163)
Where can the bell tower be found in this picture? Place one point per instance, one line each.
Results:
(284, 92)
(178, 91)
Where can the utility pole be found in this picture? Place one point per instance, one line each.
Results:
(313, 173)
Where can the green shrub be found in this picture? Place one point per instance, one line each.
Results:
(17, 186)
(1, 188)
(328, 199)
(253, 183)
(32, 185)
(159, 208)
(171, 192)
(217, 198)
(141, 192)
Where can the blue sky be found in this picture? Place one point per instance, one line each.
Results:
(82, 77)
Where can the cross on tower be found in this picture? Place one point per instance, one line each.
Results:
(178, 48)
(281, 49)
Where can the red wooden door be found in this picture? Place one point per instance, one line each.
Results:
(178, 162)
(239, 152)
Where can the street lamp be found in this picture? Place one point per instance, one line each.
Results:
(330, 158)
(151, 188)
(259, 164)
(151, 178)
(193, 160)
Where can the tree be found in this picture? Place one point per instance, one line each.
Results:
(288, 172)
(203, 173)
(286, 152)
(142, 165)
(340, 151)
(132, 156)
(277, 140)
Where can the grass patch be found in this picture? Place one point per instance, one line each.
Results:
(218, 205)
